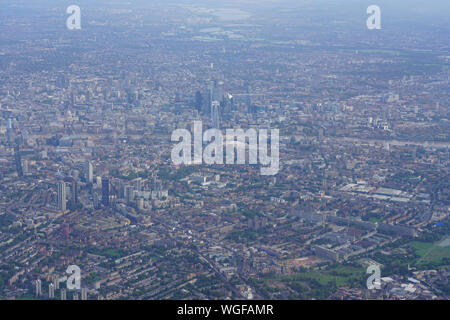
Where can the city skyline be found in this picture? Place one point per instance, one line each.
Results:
(235, 150)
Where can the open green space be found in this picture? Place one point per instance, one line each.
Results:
(315, 283)
(431, 253)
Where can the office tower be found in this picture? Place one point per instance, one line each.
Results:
(198, 101)
(74, 192)
(96, 201)
(129, 194)
(38, 287)
(105, 191)
(18, 161)
(89, 172)
(140, 203)
(121, 190)
(113, 191)
(227, 105)
(62, 200)
(210, 90)
(63, 294)
(83, 293)
(9, 130)
(215, 110)
(55, 281)
(51, 291)
(138, 186)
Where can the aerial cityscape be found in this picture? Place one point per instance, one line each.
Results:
(224, 150)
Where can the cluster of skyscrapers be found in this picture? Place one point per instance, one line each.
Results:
(217, 103)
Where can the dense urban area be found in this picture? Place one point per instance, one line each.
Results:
(87, 179)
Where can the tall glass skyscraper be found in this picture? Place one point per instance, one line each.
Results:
(105, 191)
(89, 172)
(62, 199)
(215, 114)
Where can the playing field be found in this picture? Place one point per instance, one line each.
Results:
(431, 252)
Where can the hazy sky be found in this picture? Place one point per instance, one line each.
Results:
(437, 6)
(430, 11)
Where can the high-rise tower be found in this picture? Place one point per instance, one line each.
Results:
(89, 172)
(38, 287)
(74, 192)
(215, 114)
(105, 191)
(9, 130)
(62, 199)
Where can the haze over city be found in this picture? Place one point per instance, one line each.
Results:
(230, 150)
